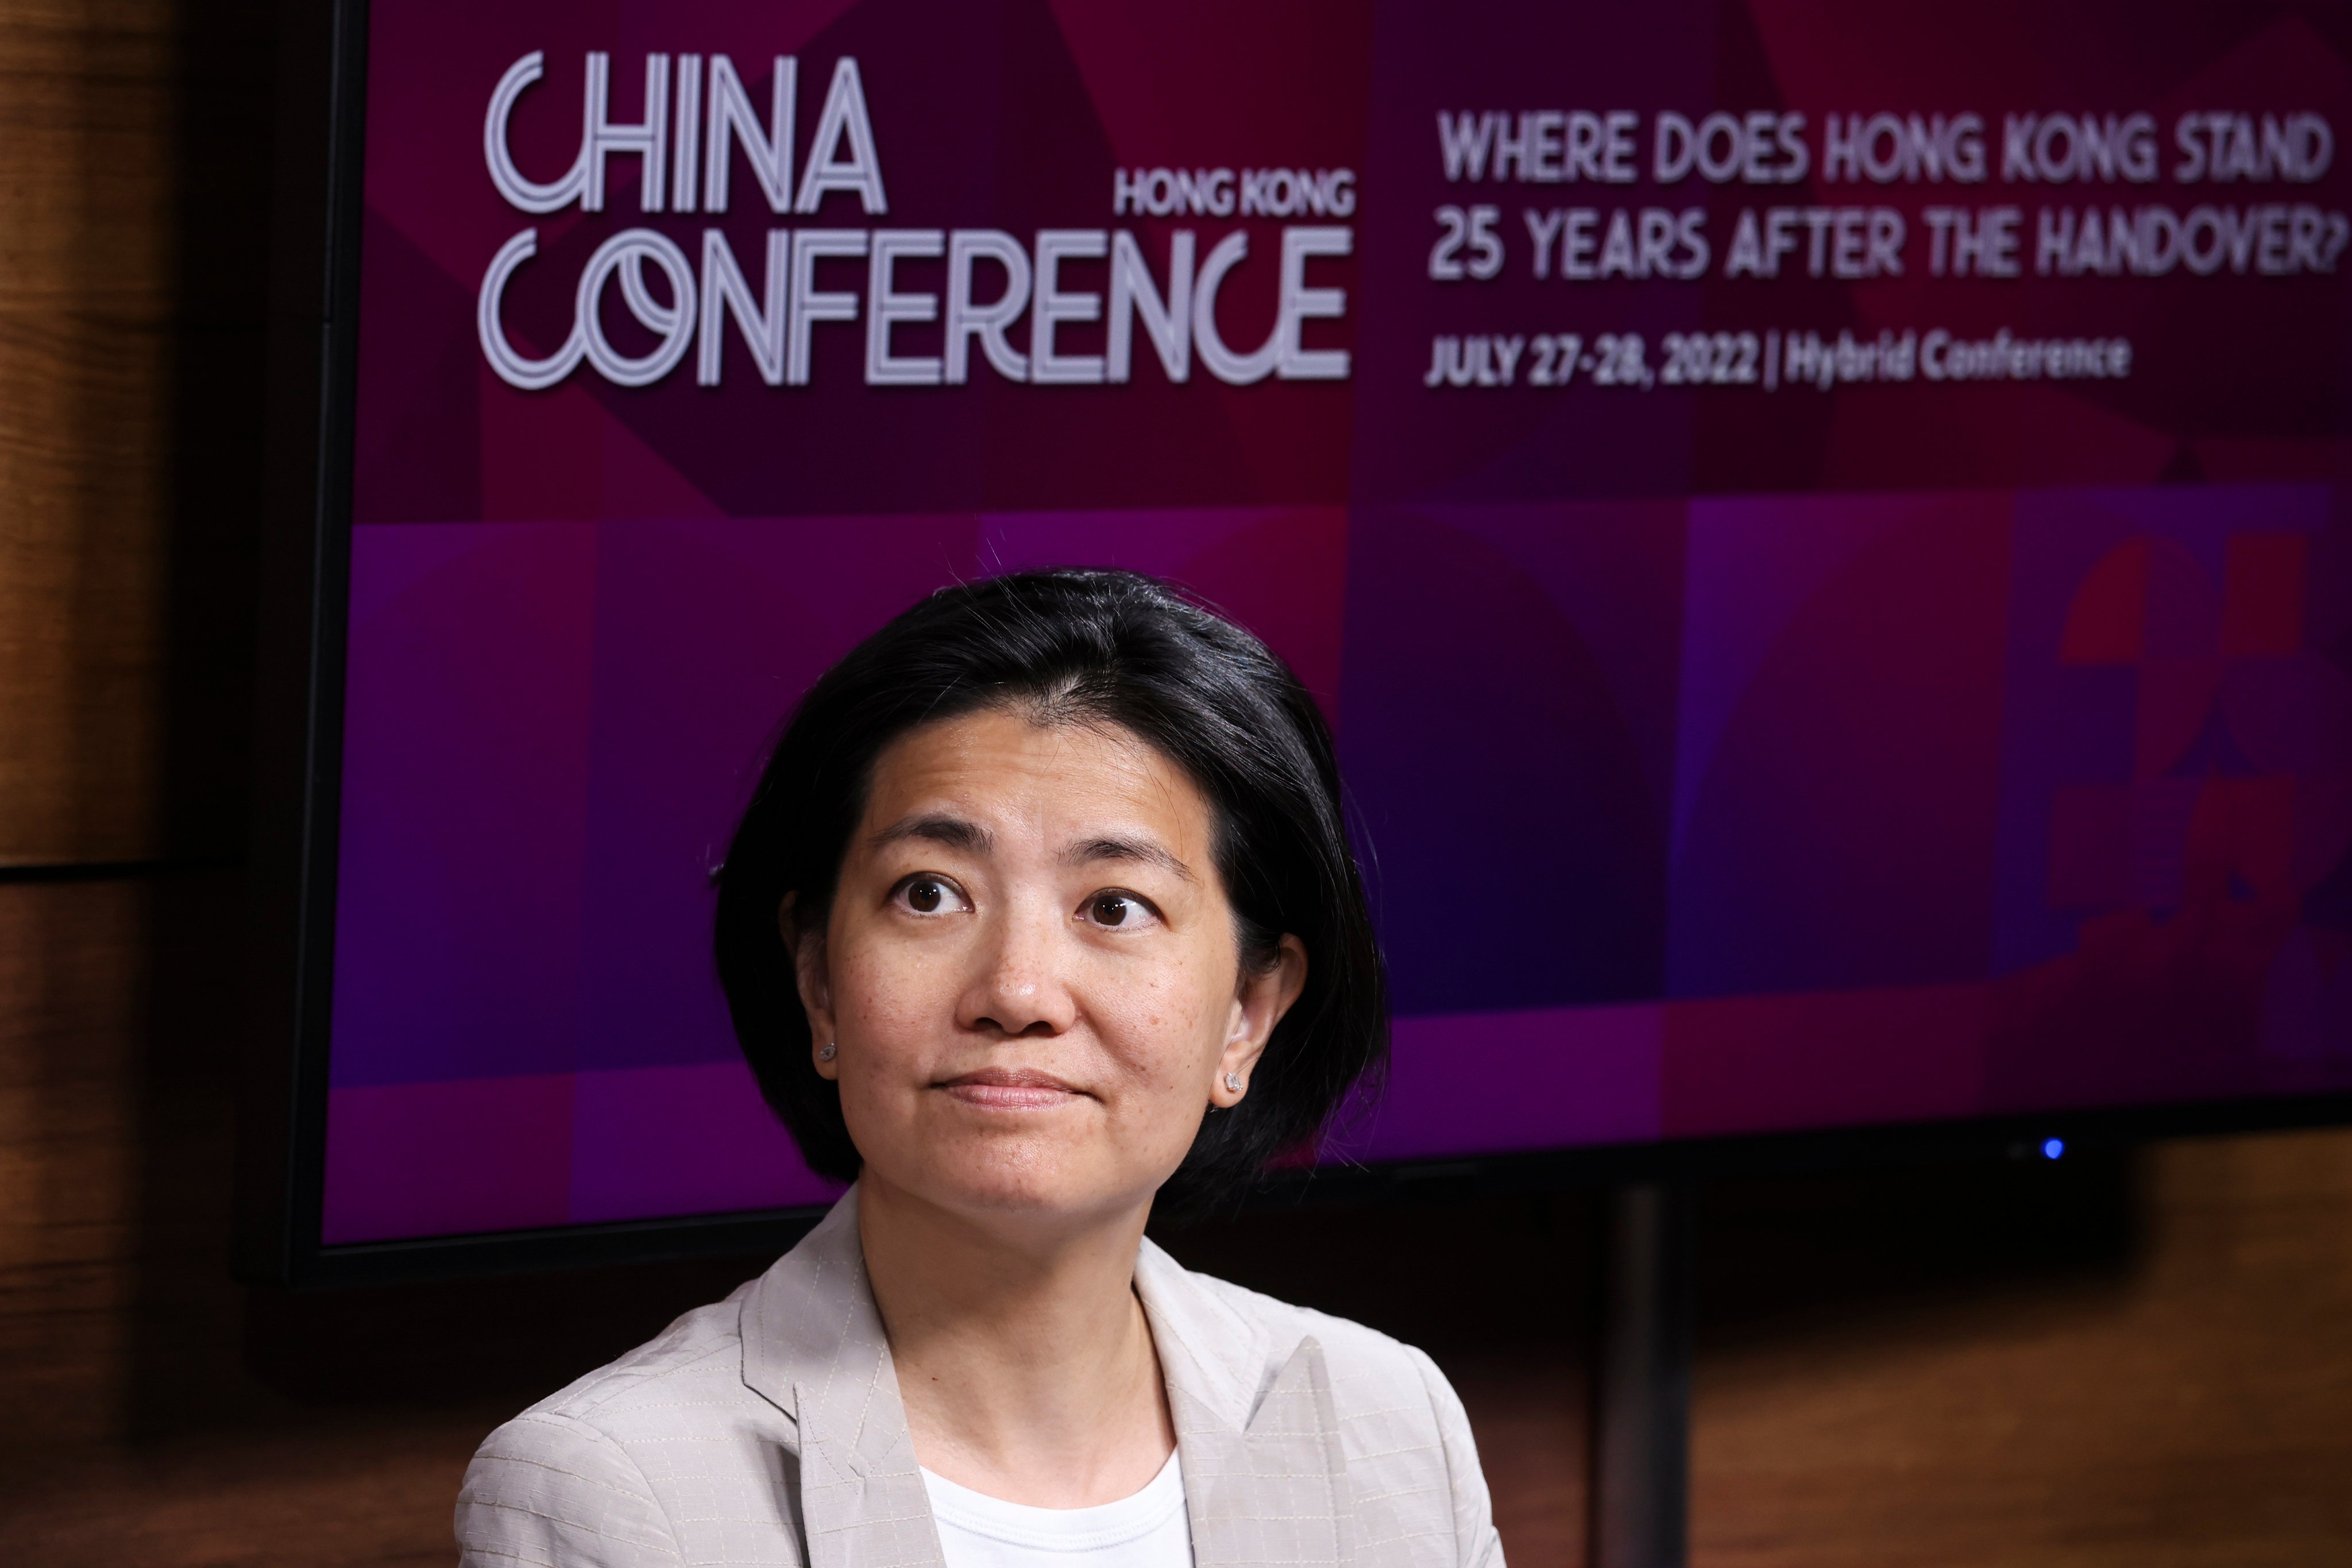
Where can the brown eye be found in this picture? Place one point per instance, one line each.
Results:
(924, 894)
(1111, 908)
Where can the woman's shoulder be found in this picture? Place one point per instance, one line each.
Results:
(606, 1459)
(695, 1365)
(1367, 1369)
(1410, 1454)
(1344, 1341)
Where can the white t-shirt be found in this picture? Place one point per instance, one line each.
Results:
(1148, 1530)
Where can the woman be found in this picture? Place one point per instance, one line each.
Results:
(1043, 913)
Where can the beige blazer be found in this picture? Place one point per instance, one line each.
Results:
(766, 1429)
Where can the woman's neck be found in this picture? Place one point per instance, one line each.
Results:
(1024, 1360)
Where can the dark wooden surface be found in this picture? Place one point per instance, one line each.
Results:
(134, 177)
(2142, 1362)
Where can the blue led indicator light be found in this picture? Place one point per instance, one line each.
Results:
(2053, 1147)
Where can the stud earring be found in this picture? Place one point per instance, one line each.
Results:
(1234, 1081)
(826, 1053)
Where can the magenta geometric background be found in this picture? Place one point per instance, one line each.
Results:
(1724, 763)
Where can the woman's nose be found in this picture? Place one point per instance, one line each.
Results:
(1018, 986)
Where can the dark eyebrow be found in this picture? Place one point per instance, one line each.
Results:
(952, 831)
(1142, 851)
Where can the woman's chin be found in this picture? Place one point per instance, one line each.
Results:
(1033, 1178)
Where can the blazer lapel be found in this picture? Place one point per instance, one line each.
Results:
(1265, 1480)
(812, 1344)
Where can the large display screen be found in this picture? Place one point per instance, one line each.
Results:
(1824, 531)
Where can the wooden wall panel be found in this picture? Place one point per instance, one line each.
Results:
(86, 275)
(2174, 1390)
(134, 177)
(68, 1024)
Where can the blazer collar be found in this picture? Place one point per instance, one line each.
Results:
(1214, 1355)
(814, 1346)
(811, 1335)
(1264, 1479)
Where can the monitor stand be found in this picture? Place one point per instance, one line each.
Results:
(1641, 1395)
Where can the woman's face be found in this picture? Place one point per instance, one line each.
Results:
(1030, 970)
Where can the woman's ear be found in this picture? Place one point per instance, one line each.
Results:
(806, 947)
(1258, 1006)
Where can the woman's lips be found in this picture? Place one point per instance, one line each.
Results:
(1008, 1088)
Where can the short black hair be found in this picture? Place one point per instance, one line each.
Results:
(1076, 646)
